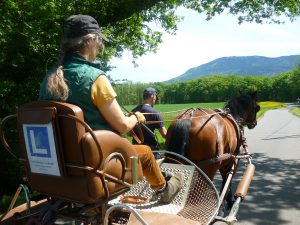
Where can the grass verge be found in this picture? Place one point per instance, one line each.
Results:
(265, 106)
(296, 111)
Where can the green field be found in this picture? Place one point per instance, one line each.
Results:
(174, 107)
(166, 109)
(296, 111)
(170, 111)
(265, 106)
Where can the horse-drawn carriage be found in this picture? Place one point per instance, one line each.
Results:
(79, 175)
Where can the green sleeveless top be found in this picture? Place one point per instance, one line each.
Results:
(80, 75)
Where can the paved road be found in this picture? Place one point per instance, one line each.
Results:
(274, 194)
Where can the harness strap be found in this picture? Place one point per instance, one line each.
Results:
(241, 140)
(136, 138)
(214, 160)
(238, 129)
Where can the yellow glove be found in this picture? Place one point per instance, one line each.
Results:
(140, 117)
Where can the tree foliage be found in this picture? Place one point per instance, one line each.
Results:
(30, 30)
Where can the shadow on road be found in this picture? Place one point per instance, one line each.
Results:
(282, 137)
(276, 185)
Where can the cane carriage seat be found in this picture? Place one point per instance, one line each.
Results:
(65, 159)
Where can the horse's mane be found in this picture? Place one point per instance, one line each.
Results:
(238, 104)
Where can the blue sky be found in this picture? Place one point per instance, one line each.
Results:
(198, 41)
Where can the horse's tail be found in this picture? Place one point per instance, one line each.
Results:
(178, 136)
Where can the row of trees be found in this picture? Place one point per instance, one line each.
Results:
(284, 87)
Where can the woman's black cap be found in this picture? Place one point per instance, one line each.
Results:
(80, 25)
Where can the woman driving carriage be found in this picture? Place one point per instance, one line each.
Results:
(78, 80)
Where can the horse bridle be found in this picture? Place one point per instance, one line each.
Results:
(250, 125)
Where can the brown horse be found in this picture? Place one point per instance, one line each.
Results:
(210, 138)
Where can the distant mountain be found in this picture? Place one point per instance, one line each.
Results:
(241, 65)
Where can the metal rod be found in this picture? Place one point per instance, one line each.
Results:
(27, 196)
(134, 169)
(122, 206)
(228, 180)
(2, 135)
(225, 187)
(231, 218)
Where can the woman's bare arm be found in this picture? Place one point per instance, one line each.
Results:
(113, 114)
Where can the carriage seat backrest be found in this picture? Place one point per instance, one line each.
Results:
(57, 147)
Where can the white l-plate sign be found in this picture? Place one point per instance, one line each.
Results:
(40, 147)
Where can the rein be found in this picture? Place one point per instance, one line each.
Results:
(175, 120)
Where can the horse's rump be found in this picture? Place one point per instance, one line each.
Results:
(201, 135)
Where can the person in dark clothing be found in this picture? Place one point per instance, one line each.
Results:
(150, 97)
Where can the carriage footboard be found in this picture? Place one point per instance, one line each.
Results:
(197, 202)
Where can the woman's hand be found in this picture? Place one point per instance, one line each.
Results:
(140, 117)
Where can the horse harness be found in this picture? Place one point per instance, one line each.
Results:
(241, 148)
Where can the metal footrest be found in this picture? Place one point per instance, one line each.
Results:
(198, 200)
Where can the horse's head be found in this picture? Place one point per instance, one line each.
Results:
(244, 108)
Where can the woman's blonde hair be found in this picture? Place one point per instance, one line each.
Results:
(57, 85)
